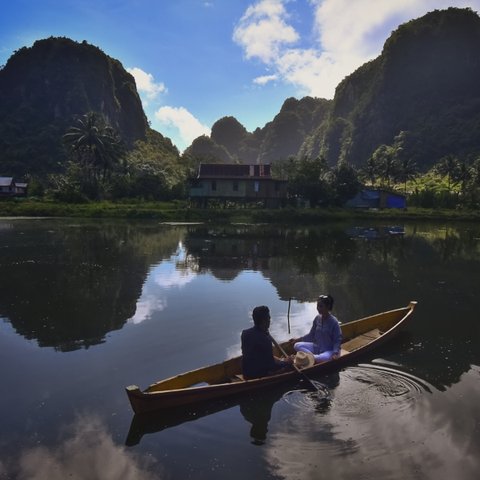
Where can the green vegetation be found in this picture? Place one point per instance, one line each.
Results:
(408, 121)
(179, 211)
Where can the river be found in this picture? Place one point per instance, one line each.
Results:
(89, 307)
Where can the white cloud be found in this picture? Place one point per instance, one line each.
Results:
(346, 34)
(146, 84)
(263, 32)
(264, 79)
(181, 119)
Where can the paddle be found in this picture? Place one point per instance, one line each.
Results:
(288, 314)
(294, 366)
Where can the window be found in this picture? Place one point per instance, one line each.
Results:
(235, 186)
(256, 186)
(214, 185)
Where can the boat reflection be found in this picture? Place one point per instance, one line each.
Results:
(256, 409)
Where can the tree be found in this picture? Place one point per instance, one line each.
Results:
(344, 182)
(384, 160)
(370, 172)
(97, 149)
(309, 180)
(406, 168)
(449, 166)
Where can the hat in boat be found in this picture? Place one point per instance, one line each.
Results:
(304, 360)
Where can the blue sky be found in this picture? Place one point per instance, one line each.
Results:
(196, 61)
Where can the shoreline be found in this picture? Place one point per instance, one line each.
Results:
(179, 212)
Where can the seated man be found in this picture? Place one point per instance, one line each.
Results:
(258, 359)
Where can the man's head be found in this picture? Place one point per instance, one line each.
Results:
(261, 317)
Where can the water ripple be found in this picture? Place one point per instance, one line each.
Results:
(362, 389)
(370, 386)
(310, 399)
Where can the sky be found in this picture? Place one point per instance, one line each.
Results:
(196, 61)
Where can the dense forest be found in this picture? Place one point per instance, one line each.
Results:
(72, 124)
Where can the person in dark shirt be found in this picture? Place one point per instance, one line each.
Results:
(258, 359)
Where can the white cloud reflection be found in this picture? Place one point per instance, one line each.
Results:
(172, 273)
(301, 317)
(436, 437)
(87, 452)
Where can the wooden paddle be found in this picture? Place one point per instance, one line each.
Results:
(294, 366)
(288, 314)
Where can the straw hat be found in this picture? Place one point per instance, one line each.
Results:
(304, 360)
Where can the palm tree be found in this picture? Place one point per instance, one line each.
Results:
(449, 166)
(407, 170)
(370, 170)
(95, 144)
(385, 161)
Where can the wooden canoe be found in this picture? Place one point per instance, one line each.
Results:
(224, 380)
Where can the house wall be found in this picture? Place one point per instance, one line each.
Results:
(248, 189)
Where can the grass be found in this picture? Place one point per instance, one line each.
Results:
(179, 211)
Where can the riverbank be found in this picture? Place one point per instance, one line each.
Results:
(179, 211)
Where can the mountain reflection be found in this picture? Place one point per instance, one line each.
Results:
(67, 285)
(367, 269)
(86, 451)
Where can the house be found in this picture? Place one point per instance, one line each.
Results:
(10, 188)
(7, 187)
(377, 198)
(237, 183)
(21, 189)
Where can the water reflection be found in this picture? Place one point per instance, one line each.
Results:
(87, 450)
(318, 401)
(368, 433)
(256, 409)
(174, 272)
(155, 422)
(68, 284)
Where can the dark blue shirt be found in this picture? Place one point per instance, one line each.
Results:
(258, 359)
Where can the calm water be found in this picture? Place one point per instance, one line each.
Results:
(87, 308)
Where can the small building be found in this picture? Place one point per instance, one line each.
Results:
(377, 198)
(10, 188)
(7, 186)
(21, 189)
(237, 183)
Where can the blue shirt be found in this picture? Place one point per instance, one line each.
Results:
(325, 334)
(258, 359)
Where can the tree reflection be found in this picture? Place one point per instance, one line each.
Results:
(68, 285)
